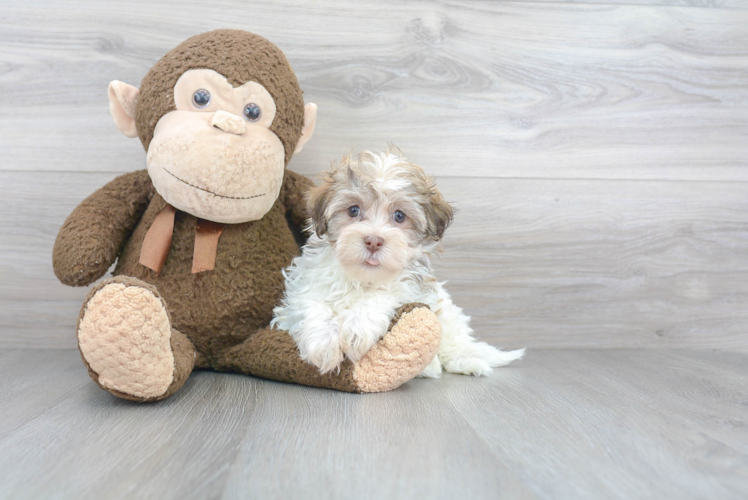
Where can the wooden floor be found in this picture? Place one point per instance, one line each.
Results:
(559, 424)
(597, 152)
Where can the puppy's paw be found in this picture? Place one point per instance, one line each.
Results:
(360, 330)
(319, 344)
(325, 354)
(433, 370)
(356, 346)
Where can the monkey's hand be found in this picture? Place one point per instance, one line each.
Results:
(93, 235)
(293, 195)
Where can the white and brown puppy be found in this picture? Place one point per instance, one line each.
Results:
(376, 219)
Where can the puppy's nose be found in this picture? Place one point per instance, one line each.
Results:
(373, 243)
(228, 122)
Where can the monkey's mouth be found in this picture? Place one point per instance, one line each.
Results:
(211, 192)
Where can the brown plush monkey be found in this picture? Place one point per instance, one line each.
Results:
(201, 236)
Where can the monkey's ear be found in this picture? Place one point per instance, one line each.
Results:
(310, 120)
(122, 99)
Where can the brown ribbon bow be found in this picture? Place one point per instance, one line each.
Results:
(157, 242)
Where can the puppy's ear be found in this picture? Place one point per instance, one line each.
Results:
(319, 199)
(439, 215)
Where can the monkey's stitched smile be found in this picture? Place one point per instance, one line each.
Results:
(211, 192)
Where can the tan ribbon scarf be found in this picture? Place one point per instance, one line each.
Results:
(157, 242)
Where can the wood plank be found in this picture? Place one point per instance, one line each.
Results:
(34, 382)
(710, 4)
(558, 424)
(36, 310)
(538, 263)
(499, 89)
(616, 424)
(188, 446)
(93, 445)
(403, 444)
(620, 264)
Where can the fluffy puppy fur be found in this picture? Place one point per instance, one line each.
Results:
(376, 219)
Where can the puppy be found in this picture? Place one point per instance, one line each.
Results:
(376, 220)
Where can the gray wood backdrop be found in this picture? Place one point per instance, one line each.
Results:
(597, 153)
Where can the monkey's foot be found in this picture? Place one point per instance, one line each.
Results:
(407, 348)
(127, 342)
(404, 352)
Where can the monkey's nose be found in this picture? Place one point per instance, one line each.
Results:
(373, 243)
(228, 122)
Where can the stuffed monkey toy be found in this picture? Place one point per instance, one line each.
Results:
(200, 238)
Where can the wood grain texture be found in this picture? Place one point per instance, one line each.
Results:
(559, 424)
(601, 423)
(538, 263)
(34, 382)
(597, 152)
(555, 263)
(713, 4)
(498, 89)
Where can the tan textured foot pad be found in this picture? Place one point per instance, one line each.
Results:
(402, 354)
(124, 336)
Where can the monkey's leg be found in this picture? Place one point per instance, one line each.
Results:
(407, 348)
(127, 342)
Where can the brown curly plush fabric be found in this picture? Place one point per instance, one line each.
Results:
(216, 319)
(241, 57)
(93, 235)
(410, 344)
(220, 308)
(216, 309)
(219, 318)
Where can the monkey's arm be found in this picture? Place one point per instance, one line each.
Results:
(93, 235)
(293, 195)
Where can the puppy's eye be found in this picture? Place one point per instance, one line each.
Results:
(354, 211)
(399, 216)
(252, 112)
(201, 98)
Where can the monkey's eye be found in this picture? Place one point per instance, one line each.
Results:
(399, 216)
(252, 112)
(354, 211)
(201, 98)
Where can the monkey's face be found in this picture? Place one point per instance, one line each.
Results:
(214, 156)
